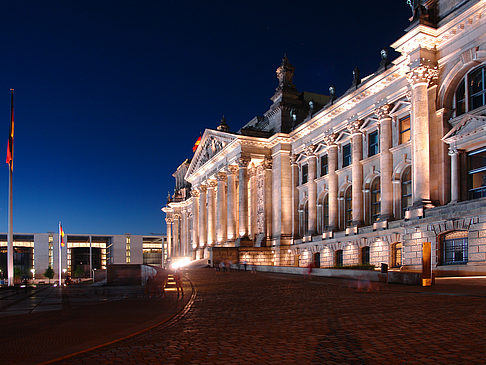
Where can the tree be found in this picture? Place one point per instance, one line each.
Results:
(78, 272)
(49, 273)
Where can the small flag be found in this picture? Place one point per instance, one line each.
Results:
(61, 235)
(9, 159)
(196, 144)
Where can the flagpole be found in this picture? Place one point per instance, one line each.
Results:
(10, 249)
(60, 266)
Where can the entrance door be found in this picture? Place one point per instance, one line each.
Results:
(317, 260)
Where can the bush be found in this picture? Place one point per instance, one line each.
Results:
(49, 273)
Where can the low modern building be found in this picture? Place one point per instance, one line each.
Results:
(368, 177)
(82, 252)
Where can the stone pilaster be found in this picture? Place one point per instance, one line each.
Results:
(211, 213)
(455, 175)
(176, 235)
(252, 203)
(203, 217)
(231, 204)
(332, 178)
(267, 165)
(419, 78)
(221, 210)
(357, 171)
(281, 195)
(295, 196)
(195, 218)
(312, 190)
(243, 197)
(169, 236)
(386, 162)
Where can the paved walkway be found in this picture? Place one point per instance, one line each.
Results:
(260, 318)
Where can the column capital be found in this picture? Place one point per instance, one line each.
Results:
(243, 162)
(252, 171)
(423, 74)
(453, 151)
(195, 192)
(354, 126)
(212, 184)
(168, 220)
(330, 139)
(310, 151)
(221, 176)
(383, 111)
(232, 170)
(203, 188)
(293, 159)
(176, 216)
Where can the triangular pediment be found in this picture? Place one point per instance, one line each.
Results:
(468, 125)
(212, 143)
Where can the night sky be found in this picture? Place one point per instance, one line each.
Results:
(110, 96)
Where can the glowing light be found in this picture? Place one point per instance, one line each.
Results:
(184, 261)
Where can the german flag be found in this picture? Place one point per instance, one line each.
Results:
(9, 159)
(196, 144)
(61, 235)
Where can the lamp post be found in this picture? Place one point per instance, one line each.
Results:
(33, 274)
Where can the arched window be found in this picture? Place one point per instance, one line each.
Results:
(348, 207)
(454, 248)
(396, 254)
(338, 258)
(325, 213)
(375, 200)
(471, 91)
(365, 255)
(406, 184)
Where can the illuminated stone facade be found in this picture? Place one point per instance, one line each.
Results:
(398, 160)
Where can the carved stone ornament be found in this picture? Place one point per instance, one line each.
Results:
(285, 74)
(212, 183)
(260, 187)
(195, 193)
(310, 150)
(211, 147)
(267, 163)
(330, 139)
(243, 162)
(221, 176)
(232, 170)
(353, 126)
(423, 74)
(203, 188)
(383, 112)
(168, 220)
(453, 151)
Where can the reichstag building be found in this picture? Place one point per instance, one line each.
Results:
(362, 178)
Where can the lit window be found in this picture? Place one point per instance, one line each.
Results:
(396, 254)
(305, 173)
(375, 200)
(454, 248)
(373, 144)
(406, 190)
(477, 173)
(348, 207)
(474, 95)
(127, 250)
(347, 155)
(324, 167)
(404, 124)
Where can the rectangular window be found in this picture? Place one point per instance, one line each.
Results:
(455, 251)
(51, 251)
(373, 148)
(347, 155)
(404, 125)
(127, 250)
(477, 173)
(305, 173)
(324, 165)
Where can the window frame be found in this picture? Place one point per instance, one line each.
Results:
(322, 172)
(467, 99)
(401, 132)
(304, 177)
(403, 208)
(373, 148)
(375, 205)
(347, 159)
(348, 207)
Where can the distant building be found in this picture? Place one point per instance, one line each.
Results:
(368, 177)
(38, 251)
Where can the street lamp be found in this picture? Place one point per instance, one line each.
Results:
(33, 273)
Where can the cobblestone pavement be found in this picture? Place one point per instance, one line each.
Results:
(46, 323)
(263, 318)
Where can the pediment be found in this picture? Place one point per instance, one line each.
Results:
(467, 126)
(212, 143)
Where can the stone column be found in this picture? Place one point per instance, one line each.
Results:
(231, 204)
(169, 236)
(419, 79)
(211, 213)
(252, 204)
(267, 165)
(203, 218)
(195, 218)
(281, 195)
(295, 195)
(455, 175)
(221, 211)
(386, 162)
(312, 190)
(176, 237)
(332, 179)
(357, 171)
(243, 197)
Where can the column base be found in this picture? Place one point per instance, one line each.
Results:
(244, 241)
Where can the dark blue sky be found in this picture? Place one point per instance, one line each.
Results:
(111, 95)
